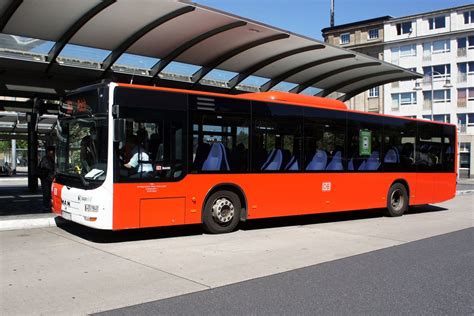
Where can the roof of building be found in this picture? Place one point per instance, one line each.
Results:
(424, 14)
(380, 19)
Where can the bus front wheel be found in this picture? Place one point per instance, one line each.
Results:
(397, 200)
(221, 212)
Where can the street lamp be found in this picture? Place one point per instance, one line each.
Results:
(447, 84)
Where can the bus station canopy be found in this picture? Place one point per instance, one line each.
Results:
(49, 47)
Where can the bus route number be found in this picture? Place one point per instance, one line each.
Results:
(326, 186)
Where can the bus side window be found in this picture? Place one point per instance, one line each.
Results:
(325, 135)
(220, 134)
(366, 139)
(399, 145)
(429, 155)
(277, 137)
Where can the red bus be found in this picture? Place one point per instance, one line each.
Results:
(134, 156)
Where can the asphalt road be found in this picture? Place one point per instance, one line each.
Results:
(431, 276)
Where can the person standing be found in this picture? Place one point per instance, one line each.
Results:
(47, 171)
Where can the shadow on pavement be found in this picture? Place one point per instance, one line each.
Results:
(104, 236)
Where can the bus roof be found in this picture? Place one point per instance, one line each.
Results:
(280, 97)
(271, 96)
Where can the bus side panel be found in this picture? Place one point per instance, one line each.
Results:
(268, 195)
(151, 204)
(425, 188)
(445, 187)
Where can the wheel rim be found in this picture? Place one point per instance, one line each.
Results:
(223, 210)
(397, 200)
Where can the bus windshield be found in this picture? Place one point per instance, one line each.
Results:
(82, 141)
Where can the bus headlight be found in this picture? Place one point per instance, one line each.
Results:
(91, 208)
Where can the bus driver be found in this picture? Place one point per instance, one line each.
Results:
(140, 161)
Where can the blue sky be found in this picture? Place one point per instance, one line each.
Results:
(308, 17)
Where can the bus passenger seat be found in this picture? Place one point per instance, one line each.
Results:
(225, 165)
(319, 161)
(216, 158)
(336, 162)
(274, 160)
(373, 162)
(392, 156)
(293, 164)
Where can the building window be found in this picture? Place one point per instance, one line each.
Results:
(345, 38)
(464, 95)
(403, 28)
(394, 55)
(438, 22)
(373, 33)
(465, 70)
(464, 42)
(440, 47)
(443, 118)
(437, 72)
(439, 96)
(408, 50)
(406, 98)
(466, 119)
(374, 92)
(468, 17)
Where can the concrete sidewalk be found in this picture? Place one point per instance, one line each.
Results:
(72, 270)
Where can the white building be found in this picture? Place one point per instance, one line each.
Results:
(439, 44)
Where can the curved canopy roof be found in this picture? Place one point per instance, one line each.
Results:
(47, 47)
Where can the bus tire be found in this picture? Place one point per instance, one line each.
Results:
(221, 212)
(397, 200)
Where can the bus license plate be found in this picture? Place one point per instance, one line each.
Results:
(66, 215)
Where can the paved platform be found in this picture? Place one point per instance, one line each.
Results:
(432, 276)
(71, 269)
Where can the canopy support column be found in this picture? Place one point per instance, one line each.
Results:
(32, 119)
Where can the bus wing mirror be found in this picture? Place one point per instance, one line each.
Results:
(119, 130)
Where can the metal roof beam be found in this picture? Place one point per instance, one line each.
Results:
(256, 67)
(355, 92)
(14, 5)
(122, 48)
(66, 37)
(280, 78)
(299, 88)
(201, 73)
(342, 84)
(165, 61)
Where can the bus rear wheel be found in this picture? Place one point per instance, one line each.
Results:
(397, 200)
(221, 212)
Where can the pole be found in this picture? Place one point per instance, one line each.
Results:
(432, 95)
(13, 154)
(32, 119)
(332, 13)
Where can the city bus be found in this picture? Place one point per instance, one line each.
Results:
(131, 156)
